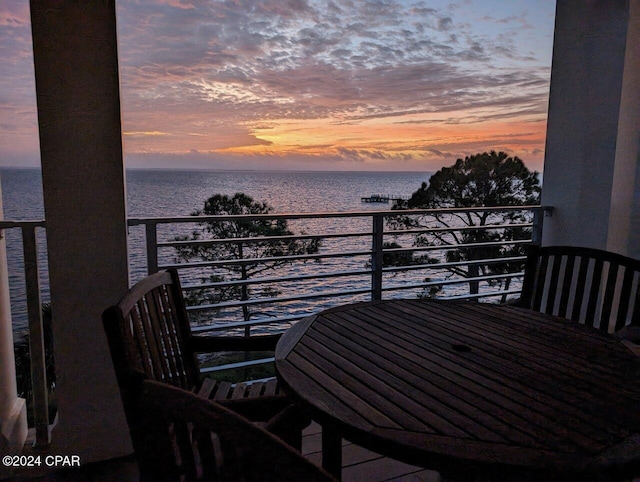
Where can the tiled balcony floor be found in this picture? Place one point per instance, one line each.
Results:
(359, 465)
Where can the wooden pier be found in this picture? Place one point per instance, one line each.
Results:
(381, 198)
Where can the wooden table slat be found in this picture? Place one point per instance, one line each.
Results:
(350, 403)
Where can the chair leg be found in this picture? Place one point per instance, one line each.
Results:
(289, 424)
(293, 438)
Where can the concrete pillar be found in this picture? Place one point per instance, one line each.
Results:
(624, 224)
(77, 87)
(13, 414)
(589, 55)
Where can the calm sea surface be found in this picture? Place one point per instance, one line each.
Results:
(152, 193)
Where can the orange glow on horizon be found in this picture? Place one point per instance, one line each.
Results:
(414, 137)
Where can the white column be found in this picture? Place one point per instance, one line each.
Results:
(77, 84)
(589, 55)
(624, 225)
(13, 415)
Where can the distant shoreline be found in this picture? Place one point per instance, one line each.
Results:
(193, 169)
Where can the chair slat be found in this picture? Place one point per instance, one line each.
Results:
(256, 389)
(625, 297)
(594, 292)
(168, 339)
(566, 285)
(271, 387)
(239, 391)
(138, 345)
(207, 388)
(157, 331)
(580, 288)
(222, 392)
(553, 285)
(152, 341)
(609, 296)
(541, 275)
(635, 319)
(184, 448)
(182, 330)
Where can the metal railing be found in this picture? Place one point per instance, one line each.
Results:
(38, 368)
(353, 249)
(357, 253)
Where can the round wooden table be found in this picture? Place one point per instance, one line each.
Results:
(467, 388)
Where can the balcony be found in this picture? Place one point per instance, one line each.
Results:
(591, 179)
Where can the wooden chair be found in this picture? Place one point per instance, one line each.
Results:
(190, 438)
(150, 339)
(594, 287)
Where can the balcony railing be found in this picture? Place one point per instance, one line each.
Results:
(32, 292)
(354, 262)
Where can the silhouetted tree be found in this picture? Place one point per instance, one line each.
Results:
(482, 180)
(258, 253)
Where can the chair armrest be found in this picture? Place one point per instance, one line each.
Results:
(205, 343)
(629, 333)
(629, 336)
(517, 302)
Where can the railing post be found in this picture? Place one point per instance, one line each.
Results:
(538, 221)
(376, 257)
(36, 337)
(152, 247)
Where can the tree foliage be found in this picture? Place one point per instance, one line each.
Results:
(482, 180)
(257, 254)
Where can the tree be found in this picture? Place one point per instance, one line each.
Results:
(482, 180)
(259, 253)
(391, 258)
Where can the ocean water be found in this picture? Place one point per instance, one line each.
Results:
(169, 193)
(155, 193)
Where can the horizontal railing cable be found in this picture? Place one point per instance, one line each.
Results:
(317, 215)
(280, 279)
(461, 228)
(280, 299)
(282, 320)
(275, 259)
(455, 281)
(454, 264)
(261, 239)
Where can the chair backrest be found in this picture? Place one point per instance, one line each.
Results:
(594, 287)
(191, 438)
(148, 333)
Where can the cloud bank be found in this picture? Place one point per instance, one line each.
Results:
(301, 84)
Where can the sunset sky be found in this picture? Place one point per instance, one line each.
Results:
(302, 84)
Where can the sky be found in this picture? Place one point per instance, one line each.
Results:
(386, 85)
